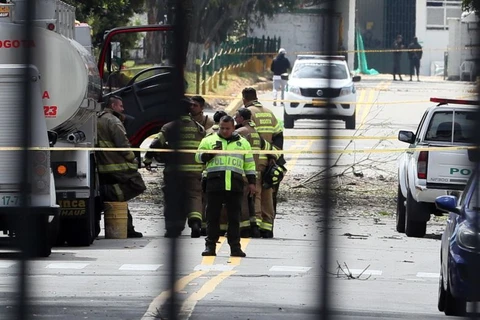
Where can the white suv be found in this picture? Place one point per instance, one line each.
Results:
(310, 91)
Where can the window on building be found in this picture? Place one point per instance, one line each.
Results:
(438, 11)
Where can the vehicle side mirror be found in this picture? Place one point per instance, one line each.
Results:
(52, 137)
(356, 78)
(447, 204)
(284, 76)
(406, 136)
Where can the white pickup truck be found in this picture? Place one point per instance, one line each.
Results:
(425, 174)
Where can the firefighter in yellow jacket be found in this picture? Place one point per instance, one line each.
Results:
(118, 170)
(250, 223)
(225, 183)
(189, 171)
(271, 131)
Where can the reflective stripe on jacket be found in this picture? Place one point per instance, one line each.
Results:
(266, 123)
(191, 133)
(112, 134)
(225, 171)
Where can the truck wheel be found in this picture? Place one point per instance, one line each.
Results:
(288, 121)
(414, 228)
(400, 214)
(350, 121)
(41, 243)
(454, 306)
(441, 292)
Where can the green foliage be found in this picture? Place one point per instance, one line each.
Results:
(471, 5)
(104, 15)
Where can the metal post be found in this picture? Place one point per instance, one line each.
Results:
(23, 221)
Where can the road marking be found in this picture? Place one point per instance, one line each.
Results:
(140, 267)
(382, 86)
(235, 261)
(293, 160)
(428, 275)
(159, 301)
(356, 272)
(211, 259)
(67, 265)
(6, 264)
(206, 266)
(289, 269)
(213, 267)
(189, 304)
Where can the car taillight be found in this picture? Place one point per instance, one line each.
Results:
(422, 164)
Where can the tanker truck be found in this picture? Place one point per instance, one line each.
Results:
(66, 84)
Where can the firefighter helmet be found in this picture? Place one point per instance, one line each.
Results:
(273, 175)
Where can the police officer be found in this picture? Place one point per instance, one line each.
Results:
(397, 57)
(118, 171)
(189, 171)
(270, 130)
(225, 183)
(223, 217)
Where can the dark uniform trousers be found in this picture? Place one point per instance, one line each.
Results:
(188, 201)
(233, 204)
(122, 187)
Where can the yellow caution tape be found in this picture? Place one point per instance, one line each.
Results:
(331, 151)
(340, 138)
(326, 101)
(340, 52)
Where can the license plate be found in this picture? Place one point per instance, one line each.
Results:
(9, 200)
(4, 11)
(319, 102)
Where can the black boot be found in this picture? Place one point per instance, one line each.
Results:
(131, 233)
(245, 233)
(266, 234)
(254, 231)
(209, 251)
(196, 226)
(237, 252)
(203, 232)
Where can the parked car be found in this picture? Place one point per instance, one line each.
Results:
(317, 83)
(460, 250)
(436, 162)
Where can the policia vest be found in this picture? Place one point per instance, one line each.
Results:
(225, 171)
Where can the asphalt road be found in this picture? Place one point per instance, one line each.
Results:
(280, 278)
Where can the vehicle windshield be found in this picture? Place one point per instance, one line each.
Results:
(320, 71)
(449, 126)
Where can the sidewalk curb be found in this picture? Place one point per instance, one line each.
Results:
(238, 102)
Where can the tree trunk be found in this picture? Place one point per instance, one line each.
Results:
(154, 53)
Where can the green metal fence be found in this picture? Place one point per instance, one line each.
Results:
(212, 68)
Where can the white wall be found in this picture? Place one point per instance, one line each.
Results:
(434, 42)
(302, 32)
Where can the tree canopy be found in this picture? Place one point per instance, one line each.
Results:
(103, 15)
(471, 5)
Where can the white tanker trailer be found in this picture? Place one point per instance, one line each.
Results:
(66, 93)
(67, 89)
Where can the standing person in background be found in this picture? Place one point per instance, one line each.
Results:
(118, 171)
(397, 57)
(189, 171)
(196, 111)
(271, 131)
(415, 55)
(250, 226)
(280, 65)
